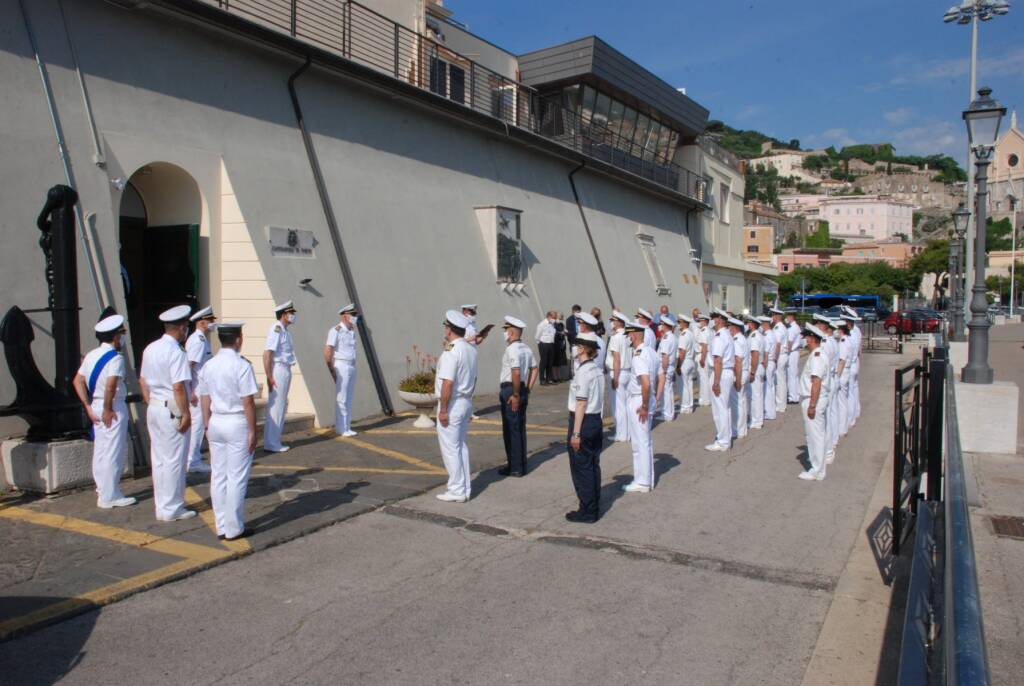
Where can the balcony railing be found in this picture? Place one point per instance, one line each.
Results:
(357, 33)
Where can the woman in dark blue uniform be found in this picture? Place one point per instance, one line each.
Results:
(586, 402)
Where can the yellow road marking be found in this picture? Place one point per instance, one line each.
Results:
(168, 546)
(351, 470)
(205, 512)
(387, 452)
(429, 432)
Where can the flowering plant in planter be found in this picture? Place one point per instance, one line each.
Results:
(419, 373)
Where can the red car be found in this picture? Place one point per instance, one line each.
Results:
(906, 321)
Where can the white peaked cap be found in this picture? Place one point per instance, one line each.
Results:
(205, 313)
(456, 319)
(587, 318)
(175, 314)
(111, 323)
(512, 321)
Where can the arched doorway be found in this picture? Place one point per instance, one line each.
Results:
(160, 212)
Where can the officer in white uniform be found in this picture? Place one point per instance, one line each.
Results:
(755, 340)
(228, 388)
(829, 348)
(668, 352)
(703, 359)
(165, 377)
(617, 362)
(741, 399)
(100, 386)
(646, 318)
(814, 382)
(856, 336)
(587, 323)
(643, 375)
(518, 375)
(454, 384)
(795, 339)
(687, 362)
(340, 356)
(723, 365)
(771, 366)
(197, 349)
(844, 373)
(782, 362)
(586, 403)
(278, 358)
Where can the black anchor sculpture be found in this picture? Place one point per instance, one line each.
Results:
(52, 411)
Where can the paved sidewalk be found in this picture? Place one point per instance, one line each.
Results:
(724, 574)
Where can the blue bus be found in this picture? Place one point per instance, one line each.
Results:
(864, 304)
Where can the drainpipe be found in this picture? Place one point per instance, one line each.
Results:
(590, 237)
(339, 249)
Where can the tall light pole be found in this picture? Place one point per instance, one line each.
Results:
(961, 219)
(971, 12)
(983, 117)
(1015, 203)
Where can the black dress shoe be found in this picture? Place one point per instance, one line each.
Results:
(245, 534)
(506, 471)
(580, 518)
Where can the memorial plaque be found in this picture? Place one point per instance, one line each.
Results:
(288, 242)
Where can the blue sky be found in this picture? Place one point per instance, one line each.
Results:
(828, 72)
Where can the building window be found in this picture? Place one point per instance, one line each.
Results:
(836, 212)
(723, 190)
(752, 248)
(510, 246)
(753, 234)
(648, 249)
(447, 80)
(785, 266)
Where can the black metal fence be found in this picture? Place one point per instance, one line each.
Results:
(358, 33)
(912, 388)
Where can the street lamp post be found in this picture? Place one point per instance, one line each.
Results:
(961, 219)
(983, 117)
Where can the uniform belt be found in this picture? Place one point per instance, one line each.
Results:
(345, 359)
(169, 404)
(284, 362)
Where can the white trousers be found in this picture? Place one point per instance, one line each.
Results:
(454, 451)
(167, 447)
(640, 442)
(741, 410)
(832, 417)
(344, 385)
(814, 433)
(855, 393)
(793, 376)
(843, 410)
(769, 390)
(703, 384)
(781, 382)
(619, 401)
(277, 407)
(230, 461)
(721, 409)
(757, 399)
(686, 386)
(668, 398)
(108, 451)
(195, 434)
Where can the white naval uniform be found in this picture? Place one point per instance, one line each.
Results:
(164, 364)
(721, 404)
(279, 343)
(227, 379)
(668, 346)
(830, 349)
(703, 337)
(108, 443)
(459, 366)
(342, 340)
(741, 398)
(781, 367)
(618, 400)
(650, 339)
(197, 349)
(796, 341)
(844, 413)
(756, 342)
(857, 335)
(770, 342)
(814, 429)
(687, 348)
(644, 362)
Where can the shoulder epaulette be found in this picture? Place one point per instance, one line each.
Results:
(277, 328)
(817, 353)
(338, 327)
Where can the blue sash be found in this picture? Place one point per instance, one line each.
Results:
(94, 377)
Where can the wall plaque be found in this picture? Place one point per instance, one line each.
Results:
(286, 242)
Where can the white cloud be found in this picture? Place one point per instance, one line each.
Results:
(1010, 64)
(750, 112)
(930, 138)
(837, 137)
(899, 116)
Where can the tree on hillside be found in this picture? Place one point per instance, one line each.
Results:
(873, 278)
(934, 259)
(997, 236)
(1000, 285)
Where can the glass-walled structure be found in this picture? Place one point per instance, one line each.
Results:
(640, 134)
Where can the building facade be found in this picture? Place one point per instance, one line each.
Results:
(918, 188)
(759, 243)
(787, 163)
(1006, 175)
(865, 218)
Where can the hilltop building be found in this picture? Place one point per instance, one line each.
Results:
(865, 218)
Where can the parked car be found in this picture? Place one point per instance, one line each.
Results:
(870, 314)
(911, 321)
(929, 312)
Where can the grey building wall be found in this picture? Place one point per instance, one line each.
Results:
(403, 182)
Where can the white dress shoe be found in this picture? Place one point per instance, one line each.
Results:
(830, 458)
(199, 468)
(184, 514)
(282, 449)
(119, 502)
(350, 433)
(714, 447)
(808, 476)
(451, 498)
(636, 488)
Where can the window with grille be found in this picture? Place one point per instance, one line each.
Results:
(510, 246)
(649, 251)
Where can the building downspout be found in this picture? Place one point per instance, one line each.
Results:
(590, 237)
(339, 249)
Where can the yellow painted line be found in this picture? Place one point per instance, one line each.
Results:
(429, 432)
(350, 470)
(168, 546)
(100, 596)
(387, 452)
(205, 512)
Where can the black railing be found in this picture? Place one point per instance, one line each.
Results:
(909, 419)
(366, 37)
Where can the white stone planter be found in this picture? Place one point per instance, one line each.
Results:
(424, 402)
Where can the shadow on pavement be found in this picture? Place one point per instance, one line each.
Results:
(306, 503)
(62, 655)
(489, 476)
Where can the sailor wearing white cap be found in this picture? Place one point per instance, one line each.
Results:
(340, 357)
(723, 365)
(647, 319)
(843, 375)
(586, 402)
(782, 363)
(796, 341)
(518, 376)
(198, 352)
(703, 340)
(165, 377)
(454, 384)
(617, 362)
(758, 352)
(856, 336)
(740, 406)
(643, 372)
(814, 382)
(687, 362)
(771, 365)
(830, 349)
(587, 323)
(227, 385)
(100, 387)
(668, 352)
(278, 358)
